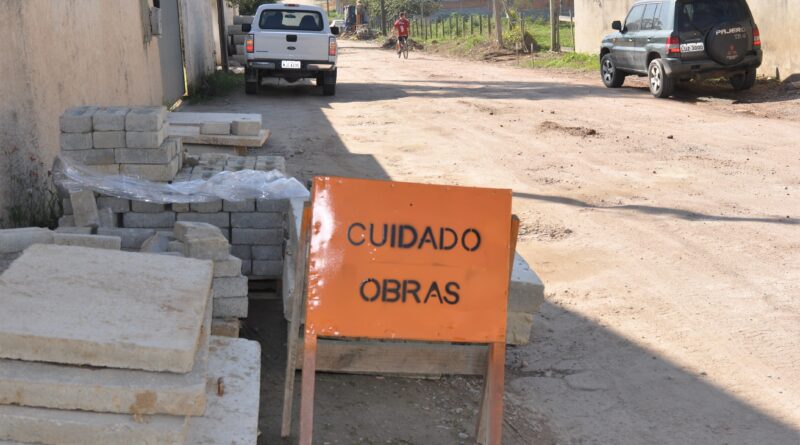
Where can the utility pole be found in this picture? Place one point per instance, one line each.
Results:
(555, 44)
(498, 22)
(223, 36)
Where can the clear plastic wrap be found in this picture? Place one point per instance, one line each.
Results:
(227, 185)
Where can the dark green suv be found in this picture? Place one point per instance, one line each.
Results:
(675, 40)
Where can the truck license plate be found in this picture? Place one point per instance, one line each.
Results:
(290, 64)
(692, 47)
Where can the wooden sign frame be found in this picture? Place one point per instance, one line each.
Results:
(490, 415)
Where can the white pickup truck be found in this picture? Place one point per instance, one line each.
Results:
(292, 42)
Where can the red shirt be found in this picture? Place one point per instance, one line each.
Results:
(402, 26)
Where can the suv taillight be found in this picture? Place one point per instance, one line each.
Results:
(756, 37)
(249, 44)
(332, 47)
(673, 45)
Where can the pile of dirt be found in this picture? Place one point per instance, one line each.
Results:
(391, 43)
(574, 131)
(360, 34)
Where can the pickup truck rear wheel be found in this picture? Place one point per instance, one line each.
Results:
(328, 83)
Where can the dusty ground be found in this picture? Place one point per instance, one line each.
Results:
(667, 233)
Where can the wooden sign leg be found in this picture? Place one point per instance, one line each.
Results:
(490, 414)
(293, 335)
(307, 389)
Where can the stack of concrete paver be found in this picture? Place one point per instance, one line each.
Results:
(255, 228)
(101, 346)
(130, 141)
(206, 242)
(239, 36)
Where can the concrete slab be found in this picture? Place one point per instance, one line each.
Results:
(526, 291)
(17, 240)
(93, 156)
(108, 139)
(232, 418)
(230, 307)
(231, 267)
(84, 208)
(75, 141)
(93, 241)
(132, 239)
(58, 427)
(124, 391)
(109, 119)
(153, 172)
(230, 286)
(198, 119)
(161, 155)
(145, 139)
(145, 119)
(217, 128)
(246, 126)
(77, 119)
(103, 308)
(192, 135)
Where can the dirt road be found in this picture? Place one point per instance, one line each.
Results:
(667, 233)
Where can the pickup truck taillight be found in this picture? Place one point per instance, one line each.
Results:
(332, 47)
(756, 37)
(249, 44)
(673, 46)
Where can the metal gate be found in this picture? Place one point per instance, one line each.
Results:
(169, 46)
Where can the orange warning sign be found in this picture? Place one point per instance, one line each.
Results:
(393, 260)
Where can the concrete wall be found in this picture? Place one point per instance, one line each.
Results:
(57, 54)
(778, 21)
(198, 38)
(229, 13)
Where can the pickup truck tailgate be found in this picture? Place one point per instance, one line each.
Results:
(282, 45)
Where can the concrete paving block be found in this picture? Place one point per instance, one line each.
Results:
(185, 230)
(77, 119)
(106, 218)
(117, 205)
(247, 267)
(268, 253)
(230, 267)
(75, 141)
(75, 230)
(518, 328)
(125, 391)
(109, 119)
(93, 156)
(93, 241)
(257, 236)
(235, 30)
(177, 246)
(267, 269)
(75, 317)
(157, 243)
(240, 19)
(146, 119)
(163, 220)
(246, 126)
(60, 427)
(109, 169)
(161, 155)
(147, 207)
(132, 239)
(272, 205)
(230, 419)
(220, 128)
(526, 291)
(242, 251)
(153, 172)
(214, 206)
(181, 207)
(257, 220)
(108, 139)
(248, 205)
(225, 327)
(17, 240)
(225, 287)
(211, 248)
(66, 221)
(239, 39)
(66, 204)
(84, 208)
(230, 307)
(221, 219)
(145, 139)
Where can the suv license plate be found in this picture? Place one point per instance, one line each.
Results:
(692, 47)
(290, 64)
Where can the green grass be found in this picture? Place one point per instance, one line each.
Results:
(443, 31)
(216, 84)
(570, 61)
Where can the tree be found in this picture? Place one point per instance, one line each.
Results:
(247, 7)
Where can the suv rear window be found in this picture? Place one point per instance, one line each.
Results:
(290, 20)
(701, 15)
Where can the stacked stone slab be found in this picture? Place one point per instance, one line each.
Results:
(130, 141)
(146, 339)
(14, 241)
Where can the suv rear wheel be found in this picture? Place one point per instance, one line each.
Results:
(744, 81)
(612, 77)
(661, 85)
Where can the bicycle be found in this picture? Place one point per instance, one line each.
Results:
(403, 48)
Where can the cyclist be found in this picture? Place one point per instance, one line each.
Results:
(401, 28)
